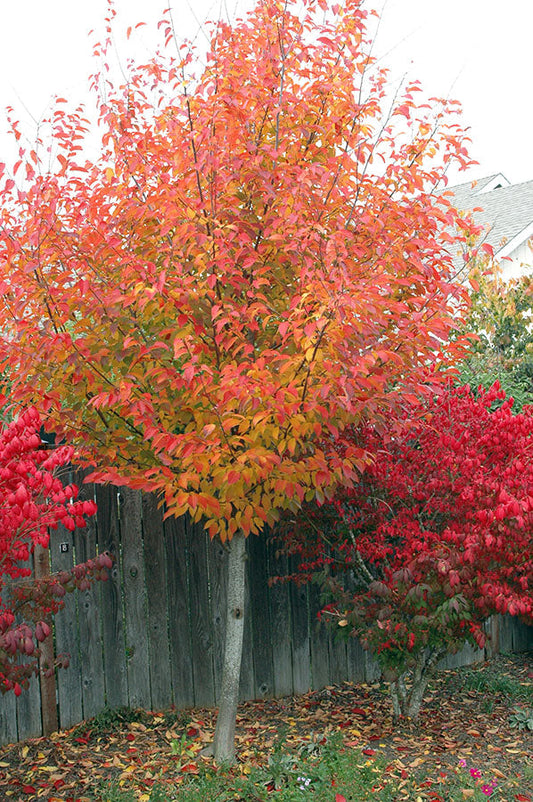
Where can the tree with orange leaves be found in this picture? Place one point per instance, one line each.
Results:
(257, 259)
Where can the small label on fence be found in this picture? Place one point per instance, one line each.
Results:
(63, 548)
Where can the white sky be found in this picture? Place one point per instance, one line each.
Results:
(478, 51)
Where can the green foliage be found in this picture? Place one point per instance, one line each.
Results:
(332, 773)
(494, 684)
(110, 720)
(522, 718)
(290, 776)
(501, 317)
(515, 376)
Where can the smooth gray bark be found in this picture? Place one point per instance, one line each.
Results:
(406, 702)
(224, 742)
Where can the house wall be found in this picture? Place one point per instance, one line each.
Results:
(521, 262)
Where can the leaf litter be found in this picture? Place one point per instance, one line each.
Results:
(139, 748)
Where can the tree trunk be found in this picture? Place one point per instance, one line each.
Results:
(406, 703)
(224, 742)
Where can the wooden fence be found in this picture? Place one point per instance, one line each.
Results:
(152, 636)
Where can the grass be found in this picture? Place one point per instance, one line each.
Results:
(498, 685)
(326, 772)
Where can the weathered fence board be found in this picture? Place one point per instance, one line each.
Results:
(29, 711)
(301, 646)
(217, 557)
(135, 609)
(200, 607)
(179, 614)
(67, 640)
(156, 596)
(152, 635)
(279, 607)
(259, 614)
(112, 621)
(92, 669)
(8, 719)
(247, 689)
(319, 644)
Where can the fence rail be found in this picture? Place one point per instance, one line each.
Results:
(153, 635)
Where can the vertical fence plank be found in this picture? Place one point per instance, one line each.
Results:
(246, 682)
(29, 711)
(319, 643)
(156, 590)
(217, 556)
(29, 703)
(338, 666)
(356, 661)
(301, 655)
(8, 719)
(67, 634)
(116, 688)
(372, 669)
(522, 635)
(201, 621)
(279, 602)
(135, 612)
(466, 656)
(179, 623)
(259, 612)
(92, 669)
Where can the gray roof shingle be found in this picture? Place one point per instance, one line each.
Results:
(504, 212)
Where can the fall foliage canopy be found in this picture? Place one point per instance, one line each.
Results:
(258, 257)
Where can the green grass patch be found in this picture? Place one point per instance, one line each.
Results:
(329, 772)
(486, 680)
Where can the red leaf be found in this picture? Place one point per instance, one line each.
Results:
(189, 768)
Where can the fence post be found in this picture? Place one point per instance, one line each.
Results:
(46, 659)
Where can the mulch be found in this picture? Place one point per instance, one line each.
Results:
(137, 748)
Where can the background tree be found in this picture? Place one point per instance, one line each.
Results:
(501, 316)
(33, 499)
(255, 261)
(435, 538)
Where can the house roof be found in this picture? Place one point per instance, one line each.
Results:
(505, 210)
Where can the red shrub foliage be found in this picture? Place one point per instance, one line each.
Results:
(33, 500)
(437, 536)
